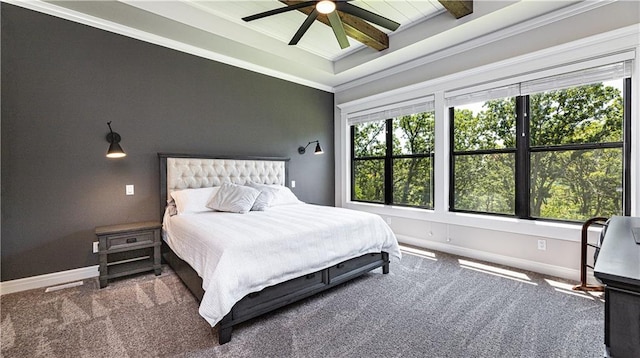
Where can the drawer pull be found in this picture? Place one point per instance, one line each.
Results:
(310, 276)
(131, 240)
(340, 266)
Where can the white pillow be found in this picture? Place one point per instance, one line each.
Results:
(234, 198)
(283, 195)
(189, 201)
(264, 200)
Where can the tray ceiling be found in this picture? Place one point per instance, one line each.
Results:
(214, 29)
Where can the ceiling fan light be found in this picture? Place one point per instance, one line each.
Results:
(325, 6)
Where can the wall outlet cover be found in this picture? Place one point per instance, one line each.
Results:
(542, 245)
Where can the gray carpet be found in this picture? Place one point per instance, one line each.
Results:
(424, 307)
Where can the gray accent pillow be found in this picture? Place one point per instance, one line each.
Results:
(234, 198)
(264, 200)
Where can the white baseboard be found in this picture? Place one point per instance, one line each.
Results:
(546, 269)
(56, 278)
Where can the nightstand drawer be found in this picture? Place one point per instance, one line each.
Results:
(128, 249)
(128, 240)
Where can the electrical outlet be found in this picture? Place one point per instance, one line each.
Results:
(293, 183)
(542, 245)
(129, 189)
(95, 247)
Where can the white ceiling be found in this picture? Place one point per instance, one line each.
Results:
(319, 39)
(215, 29)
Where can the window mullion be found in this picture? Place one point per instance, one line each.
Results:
(626, 161)
(353, 162)
(388, 164)
(522, 177)
(452, 176)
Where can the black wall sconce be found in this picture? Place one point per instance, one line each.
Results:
(302, 150)
(115, 150)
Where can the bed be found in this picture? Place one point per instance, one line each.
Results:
(241, 263)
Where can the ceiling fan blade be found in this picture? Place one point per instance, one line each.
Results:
(338, 29)
(304, 27)
(367, 15)
(279, 10)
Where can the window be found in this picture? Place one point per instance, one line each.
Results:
(369, 155)
(577, 154)
(483, 161)
(392, 159)
(557, 150)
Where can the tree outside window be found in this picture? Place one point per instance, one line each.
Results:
(572, 164)
(392, 160)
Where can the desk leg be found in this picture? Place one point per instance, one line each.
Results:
(607, 314)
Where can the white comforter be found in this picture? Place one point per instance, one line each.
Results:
(236, 254)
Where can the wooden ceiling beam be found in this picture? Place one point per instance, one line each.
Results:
(458, 8)
(354, 27)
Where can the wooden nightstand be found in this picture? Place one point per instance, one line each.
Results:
(128, 249)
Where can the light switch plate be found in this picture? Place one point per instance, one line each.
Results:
(129, 189)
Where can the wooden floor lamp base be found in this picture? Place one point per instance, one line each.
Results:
(588, 288)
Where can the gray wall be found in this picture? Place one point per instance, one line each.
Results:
(61, 83)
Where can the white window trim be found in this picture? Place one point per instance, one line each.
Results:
(574, 55)
(511, 86)
(392, 110)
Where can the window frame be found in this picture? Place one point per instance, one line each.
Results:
(388, 159)
(523, 151)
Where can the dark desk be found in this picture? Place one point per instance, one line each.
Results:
(618, 267)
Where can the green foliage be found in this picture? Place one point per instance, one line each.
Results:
(568, 184)
(585, 114)
(589, 184)
(369, 180)
(485, 182)
(413, 182)
(492, 128)
(564, 184)
(413, 177)
(369, 140)
(414, 134)
(411, 147)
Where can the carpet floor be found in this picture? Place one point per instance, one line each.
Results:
(430, 304)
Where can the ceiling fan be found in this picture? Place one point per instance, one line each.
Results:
(330, 8)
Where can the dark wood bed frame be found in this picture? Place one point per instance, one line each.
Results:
(272, 297)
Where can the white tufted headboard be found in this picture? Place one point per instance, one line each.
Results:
(182, 171)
